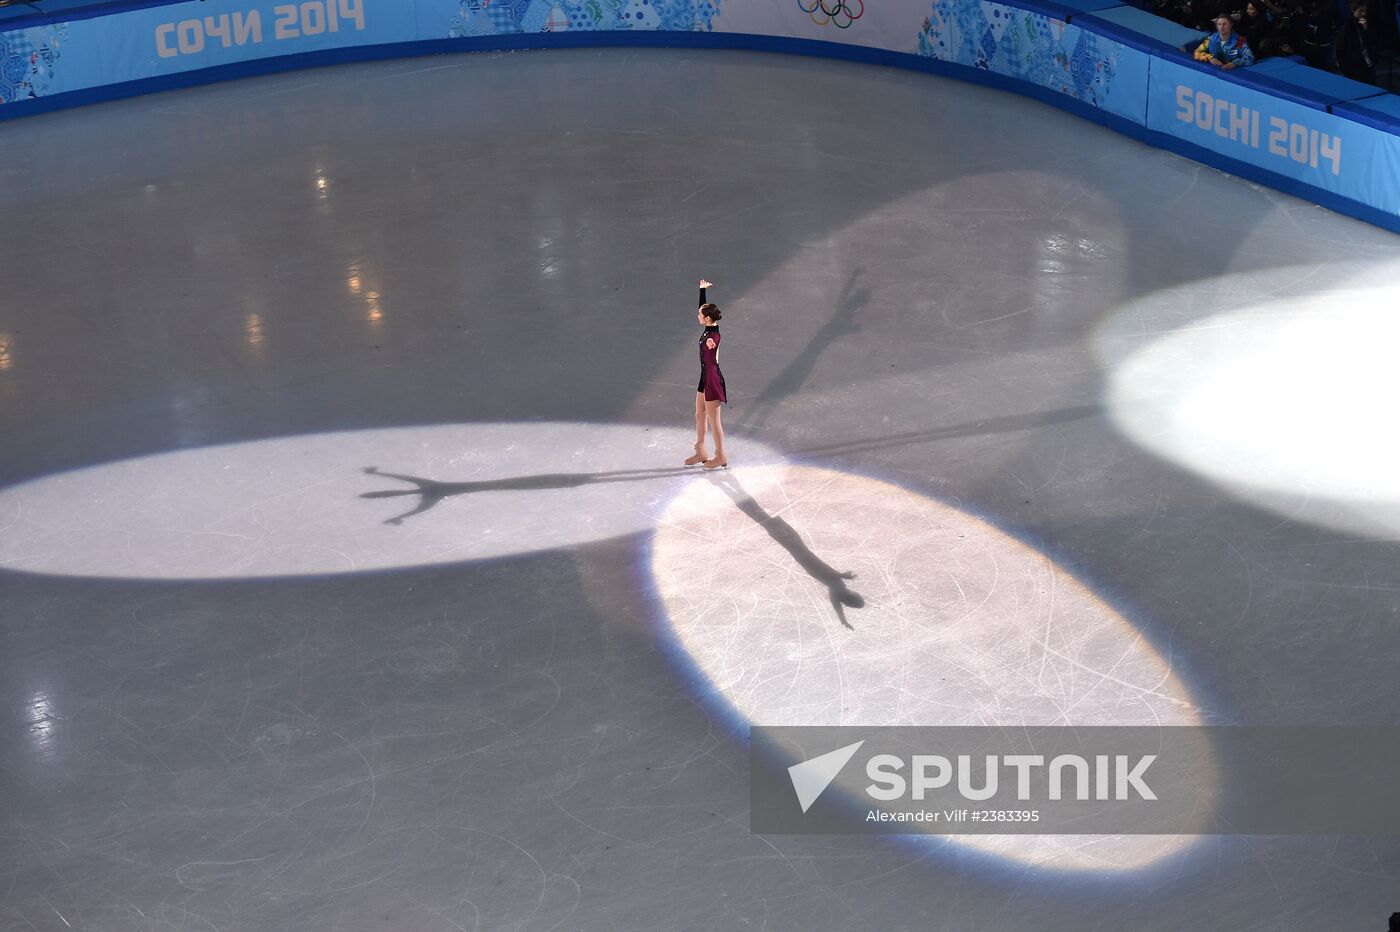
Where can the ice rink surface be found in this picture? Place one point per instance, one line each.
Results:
(349, 579)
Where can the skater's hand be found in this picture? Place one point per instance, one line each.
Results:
(710, 343)
(705, 284)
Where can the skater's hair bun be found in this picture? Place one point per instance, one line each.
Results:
(711, 311)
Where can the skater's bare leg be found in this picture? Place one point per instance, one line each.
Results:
(716, 422)
(700, 420)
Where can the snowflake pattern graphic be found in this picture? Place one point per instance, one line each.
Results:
(1020, 44)
(27, 58)
(511, 17)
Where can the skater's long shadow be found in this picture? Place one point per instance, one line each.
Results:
(431, 492)
(795, 374)
(995, 425)
(841, 595)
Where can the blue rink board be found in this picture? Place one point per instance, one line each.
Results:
(1311, 134)
(1308, 86)
(1134, 25)
(1381, 112)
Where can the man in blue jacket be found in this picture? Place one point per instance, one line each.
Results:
(1225, 47)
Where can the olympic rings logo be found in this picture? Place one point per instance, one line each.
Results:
(840, 13)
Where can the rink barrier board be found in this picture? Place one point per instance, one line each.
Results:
(1374, 198)
(1382, 112)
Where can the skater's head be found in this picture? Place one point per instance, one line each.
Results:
(708, 315)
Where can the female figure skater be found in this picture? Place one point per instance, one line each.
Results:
(709, 394)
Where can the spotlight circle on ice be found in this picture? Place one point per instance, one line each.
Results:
(833, 599)
(1284, 401)
(346, 502)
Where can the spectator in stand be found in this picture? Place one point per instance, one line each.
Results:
(1314, 29)
(1194, 14)
(1202, 14)
(1286, 21)
(1226, 48)
(1383, 34)
(1269, 29)
(1258, 30)
(1354, 46)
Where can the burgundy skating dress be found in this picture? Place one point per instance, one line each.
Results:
(711, 379)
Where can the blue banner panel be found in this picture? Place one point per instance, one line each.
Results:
(1041, 50)
(28, 59)
(165, 40)
(473, 18)
(1284, 138)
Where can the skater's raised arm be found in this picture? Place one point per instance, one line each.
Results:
(703, 285)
